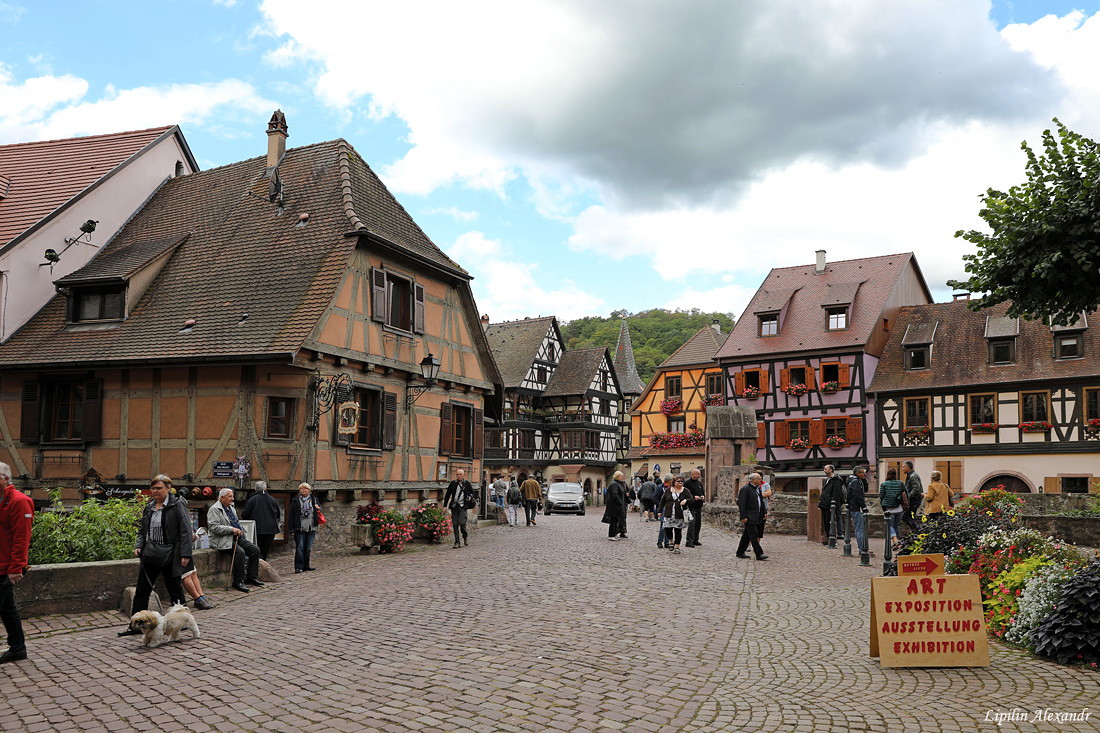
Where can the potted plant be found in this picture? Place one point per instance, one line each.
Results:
(797, 390)
(1093, 424)
(917, 430)
(750, 393)
(671, 405)
(1035, 426)
(835, 441)
(983, 427)
(798, 444)
(714, 400)
(830, 387)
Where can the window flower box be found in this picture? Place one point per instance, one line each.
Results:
(798, 444)
(714, 400)
(690, 439)
(671, 405)
(1035, 426)
(797, 390)
(1093, 424)
(835, 441)
(918, 430)
(983, 427)
(830, 387)
(750, 393)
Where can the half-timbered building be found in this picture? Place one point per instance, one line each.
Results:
(989, 400)
(267, 319)
(804, 352)
(632, 386)
(669, 418)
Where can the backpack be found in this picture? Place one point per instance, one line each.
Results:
(514, 495)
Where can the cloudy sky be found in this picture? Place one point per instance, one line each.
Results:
(580, 156)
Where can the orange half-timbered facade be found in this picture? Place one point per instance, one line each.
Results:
(263, 320)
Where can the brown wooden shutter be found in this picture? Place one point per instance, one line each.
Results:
(738, 383)
(378, 294)
(418, 307)
(817, 432)
(811, 377)
(784, 379)
(845, 379)
(763, 381)
(782, 432)
(944, 467)
(29, 428)
(761, 435)
(956, 478)
(1051, 485)
(853, 430)
(446, 429)
(389, 420)
(93, 411)
(479, 433)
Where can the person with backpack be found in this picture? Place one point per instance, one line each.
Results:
(457, 499)
(915, 492)
(831, 493)
(893, 499)
(646, 495)
(515, 501)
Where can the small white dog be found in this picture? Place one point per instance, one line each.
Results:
(155, 627)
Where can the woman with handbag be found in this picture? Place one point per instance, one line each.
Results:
(614, 511)
(163, 548)
(303, 519)
(675, 511)
(894, 501)
(938, 497)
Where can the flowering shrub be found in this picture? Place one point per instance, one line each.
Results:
(367, 513)
(830, 387)
(995, 502)
(714, 400)
(1035, 426)
(796, 390)
(1040, 596)
(1071, 633)
(660, 441)
(798, 444)
(835, 441)
(1002, 600)
(750, 393)
(983, 427)
(671, 405)
(918, 430)
(433, 519)
(393, 529)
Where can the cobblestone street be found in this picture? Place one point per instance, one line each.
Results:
(529, 629)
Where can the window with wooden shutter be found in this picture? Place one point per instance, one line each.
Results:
(854, 430)
(817, 432)
(389, 420)
(446, 429)
(761, 435)
(1051, 485)
(378, 294)
(32, 410)
(418, 307)
(781, 431)
(479, 433)
(92, 430)
(950, 473)
(763, 381)
(811, 378)
(845, 378)
(784, 379)
(739, 383)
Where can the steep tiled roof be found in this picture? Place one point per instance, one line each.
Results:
(42, 176)
(624, 363)
(514, 345)
(866, 283)
(575, 372)
(959, 354)
(699, 349)
(120, 262)
(243, 256)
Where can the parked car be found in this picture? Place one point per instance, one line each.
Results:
(564, 498)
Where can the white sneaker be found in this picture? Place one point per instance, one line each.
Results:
(613, 539)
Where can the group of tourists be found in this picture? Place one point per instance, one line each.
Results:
(674, 502)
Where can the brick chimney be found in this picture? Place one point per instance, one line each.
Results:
(276, 138)
(484, 320)
(819, 268)
(716, 325)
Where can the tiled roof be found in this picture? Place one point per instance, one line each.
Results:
(118, 263)
(959, 354)
(1001, 326)
(624, 363)
(575, 372)
(42, 176)
(919, 333)
(242, 256)
(805, 293)
(699, 349)
(514, 345)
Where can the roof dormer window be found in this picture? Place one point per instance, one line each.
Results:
(769, 324)
(837, 318)
(97, 305)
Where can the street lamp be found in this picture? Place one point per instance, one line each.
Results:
(429, 370)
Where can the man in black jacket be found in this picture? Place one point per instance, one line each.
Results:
(699, 492)
(455, 500)
(264, 510)
(832, 491)
(750, 505)
(857, 502)
(915, 490)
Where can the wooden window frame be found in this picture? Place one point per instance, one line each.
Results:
(81, 295)
(1088, 482)
(994, 343)
(800, 422)
(763, 318)
(1060, 337)
(382, 300)
(836, 310)
(970, 408)
(678, 381)
(288, 417)
(924, 349)
(39, 411)
(905, 411)
(682, 420)
(1046, 405)
(1085, 410)
(835, 426)
(717, 377)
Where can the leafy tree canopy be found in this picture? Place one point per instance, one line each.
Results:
(654, 334)
(1043, 255)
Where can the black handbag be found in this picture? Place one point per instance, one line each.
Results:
(158, 555)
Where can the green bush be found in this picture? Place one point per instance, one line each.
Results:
(90, 532)
(1071, 633)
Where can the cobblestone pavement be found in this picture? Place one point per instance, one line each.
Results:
(547, 628)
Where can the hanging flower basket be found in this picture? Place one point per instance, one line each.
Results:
(671, 405)
(798, 444)
(797, 390)
(835, 441)
(662, 441)
(750, 393)
(1035, 426)
(918, 430)
(830, 387)
(983, 427)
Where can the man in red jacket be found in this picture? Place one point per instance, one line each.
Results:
(16, 517)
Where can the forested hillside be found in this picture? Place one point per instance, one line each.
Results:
(655, 334)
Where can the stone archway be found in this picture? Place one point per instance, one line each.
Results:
(1011, 481)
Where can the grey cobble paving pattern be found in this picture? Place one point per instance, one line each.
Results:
(547, 628)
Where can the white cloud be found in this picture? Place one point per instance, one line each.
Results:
(455, 213)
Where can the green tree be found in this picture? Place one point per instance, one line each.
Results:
(1043, 255)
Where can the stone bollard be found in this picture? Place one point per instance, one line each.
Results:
(832, 525)
(847, 532)
(864, 550)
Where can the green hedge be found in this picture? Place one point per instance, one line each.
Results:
(90, 532)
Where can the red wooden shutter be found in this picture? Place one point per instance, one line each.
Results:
(32, 405)
(479, 433)
(763, 381)
(389, 420)
(845, 380)
(817, 432)
(761, 435)
(93, 411)
(782, 432)
(738, 383)
(378, 294)
(784, 379)
(853, 430)
(446, 429)
(418, 307)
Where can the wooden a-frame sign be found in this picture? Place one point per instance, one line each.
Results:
(930, 621)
